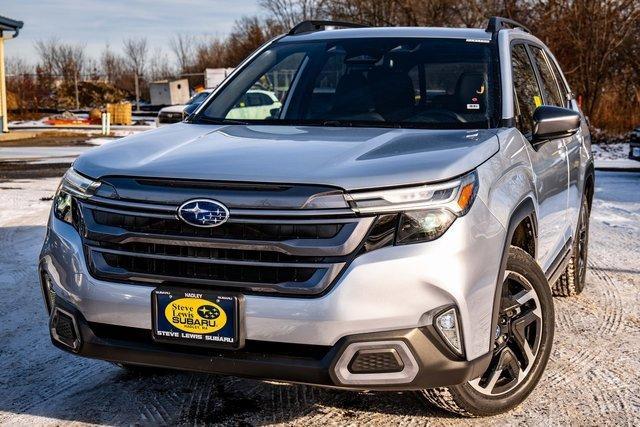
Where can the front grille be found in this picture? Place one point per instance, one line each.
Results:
(186, 269)
(242, 231)
(187, 252)
(281, 252)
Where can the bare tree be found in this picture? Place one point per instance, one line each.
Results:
(65, 60)
(183, 47)
(288, 13)
(112, 65)
(160, 66)
(136, 51)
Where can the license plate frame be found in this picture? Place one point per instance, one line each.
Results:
(194, 332)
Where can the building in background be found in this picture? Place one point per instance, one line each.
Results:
(214, 76)
(9, 29)
(166, 92)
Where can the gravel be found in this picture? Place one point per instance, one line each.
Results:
(593, 376)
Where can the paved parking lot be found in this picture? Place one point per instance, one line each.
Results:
(593, 376)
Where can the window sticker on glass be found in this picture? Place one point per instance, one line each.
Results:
(537, 100)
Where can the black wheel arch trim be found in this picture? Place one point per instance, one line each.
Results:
(590, 173)
(525, 209)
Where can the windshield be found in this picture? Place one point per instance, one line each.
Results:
(388, 82)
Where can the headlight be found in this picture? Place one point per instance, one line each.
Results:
(426, 211)
(78, 185)
(423, 226)
(73, 185)
(62, 204)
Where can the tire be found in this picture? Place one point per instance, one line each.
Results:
(573, 279)
(516, 375)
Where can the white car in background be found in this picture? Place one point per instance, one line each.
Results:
(256, 104)
(175, 113)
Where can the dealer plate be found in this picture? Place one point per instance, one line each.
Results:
(199, 318)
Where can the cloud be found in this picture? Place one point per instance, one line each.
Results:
(95, 23)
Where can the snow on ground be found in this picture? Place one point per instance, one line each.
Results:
(101, 140)
(592, 376)
(610, 151)
(613, 156)
(42, 153)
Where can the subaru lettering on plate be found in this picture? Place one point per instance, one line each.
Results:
(203, 213)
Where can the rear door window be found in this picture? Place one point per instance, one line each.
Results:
(550, 90)
(526, 91)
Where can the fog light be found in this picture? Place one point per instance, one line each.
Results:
(449, 328)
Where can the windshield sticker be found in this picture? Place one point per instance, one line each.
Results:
(473, 106)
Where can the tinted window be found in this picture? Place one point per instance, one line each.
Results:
(198, 98)
(527, 93)
(253, 100)
(264, 99)
(550, 89)
(564, 90)
(398, 82)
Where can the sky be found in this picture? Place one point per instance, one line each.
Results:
(95, 23)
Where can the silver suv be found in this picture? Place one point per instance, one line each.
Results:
(399, 221)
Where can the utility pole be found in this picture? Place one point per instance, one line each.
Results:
(3, 90)
(137, 92)
(14, 26)
(75, 82)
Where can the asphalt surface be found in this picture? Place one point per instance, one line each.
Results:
(593, 376)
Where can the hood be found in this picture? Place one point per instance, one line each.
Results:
(348, 158)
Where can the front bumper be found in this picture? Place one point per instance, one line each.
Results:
(318, 365)
(387, 294)
(387, 289)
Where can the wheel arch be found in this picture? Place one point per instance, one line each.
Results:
(589, 183)
(524, 215)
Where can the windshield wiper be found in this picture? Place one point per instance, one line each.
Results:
(212, 121)
(337, 123)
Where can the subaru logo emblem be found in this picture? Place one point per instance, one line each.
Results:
(203, 213)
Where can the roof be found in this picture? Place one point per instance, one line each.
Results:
(8, 24)
(406, 32)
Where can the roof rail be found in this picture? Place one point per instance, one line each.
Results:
(311, 26)
(497, 23)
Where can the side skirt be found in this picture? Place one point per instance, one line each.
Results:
(559, 265)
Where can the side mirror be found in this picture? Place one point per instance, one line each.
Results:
(554, 122)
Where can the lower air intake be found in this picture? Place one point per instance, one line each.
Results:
(376, 361)
(64, 329)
